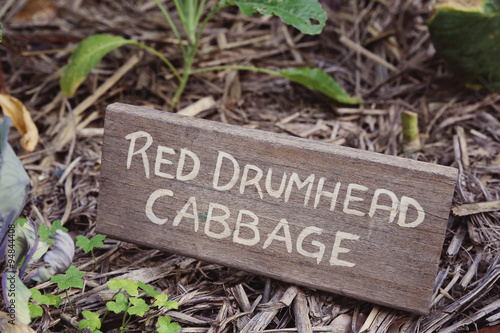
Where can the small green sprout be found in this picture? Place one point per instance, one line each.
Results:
(73, 278)
(120, 304)
(91, 321)
(44, 231)
(166, 326)
(90, 244)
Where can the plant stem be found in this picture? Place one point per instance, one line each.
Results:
(189, 57)
(172, 25)
(69, 301)
(165, 60)
(411, 137)
(242, 68)
(95, 259)
(185, 76)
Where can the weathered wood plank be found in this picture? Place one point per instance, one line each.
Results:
(361, 224)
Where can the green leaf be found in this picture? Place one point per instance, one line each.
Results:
(47, 299)
(148, 289)
(73, 278)
(129, 285)
(305, 15)
(316, 79)
(162, 300)
(91, 321)
(35, 310)
(165, 326)
(120, 305)
(21, 221)
(16, 296)
(139, 307)
(85, 57)
(468, 38)
(91, 244)
(45, 232)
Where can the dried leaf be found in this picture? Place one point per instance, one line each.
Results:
(37, 11)
(21, 119)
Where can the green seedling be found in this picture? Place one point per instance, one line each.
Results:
(166, 326)
(305, 15)
(91, 321)
(45, 232)
(37, 298)
(73, 278)
(135, 305)
(89, 245)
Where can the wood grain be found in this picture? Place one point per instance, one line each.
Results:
(355, 223)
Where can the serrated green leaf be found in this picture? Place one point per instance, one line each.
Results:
(165, 326)
(129, 285)
(469, 40)
(162, 300)
(119, 305)
(91, 321)
(85, 57)
(148, 289)
(305, 15)
(16, 296)
(88, 245)
(139, 307)
(73, 278)
(316, 79)
(35, 310)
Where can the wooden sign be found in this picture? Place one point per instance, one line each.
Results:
(355, 223)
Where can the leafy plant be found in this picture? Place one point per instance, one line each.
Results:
(467, 35)
(305, 15)
(91, 321)
(134, 305)
(37, 298)
(90, 244)
(45, 232)
(72, 278)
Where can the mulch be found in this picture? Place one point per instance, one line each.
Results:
(377, 49)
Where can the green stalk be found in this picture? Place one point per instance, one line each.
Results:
(95, 259)
(185, 76)
(69, 301)
(242, 68)
(411, 136)
(188, 60)
(165, 60)
(171, 23)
